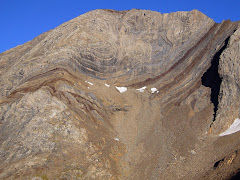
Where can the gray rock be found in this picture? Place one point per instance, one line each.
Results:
(54, 124)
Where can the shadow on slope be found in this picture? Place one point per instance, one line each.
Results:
(212, 79)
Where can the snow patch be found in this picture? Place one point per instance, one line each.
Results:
(142, 89)
(235, 127)
(121, 89)
(154, 90)
(116, 139)
(89, 83)
(107, 85)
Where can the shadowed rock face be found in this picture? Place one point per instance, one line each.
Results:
(62, 117)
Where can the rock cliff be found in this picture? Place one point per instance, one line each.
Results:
(122, 95)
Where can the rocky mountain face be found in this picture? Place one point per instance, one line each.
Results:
(123, 95)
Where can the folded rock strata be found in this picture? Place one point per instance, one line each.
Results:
(61, 116)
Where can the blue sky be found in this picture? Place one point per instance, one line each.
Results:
(22, 20)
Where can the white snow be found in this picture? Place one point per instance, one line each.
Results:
(107, 85)
(121, 89)
(89, 83)
(116, 139)
(235, 127)
(142, 89)
(154, 90)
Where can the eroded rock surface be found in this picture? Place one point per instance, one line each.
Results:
(71, 108)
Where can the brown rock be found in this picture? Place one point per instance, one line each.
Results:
(62, 116)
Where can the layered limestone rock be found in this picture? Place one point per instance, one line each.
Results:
(229, 94)
(119, 95)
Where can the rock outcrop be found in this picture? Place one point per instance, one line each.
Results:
(122, 95)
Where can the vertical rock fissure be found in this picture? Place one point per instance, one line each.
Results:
(212, 79)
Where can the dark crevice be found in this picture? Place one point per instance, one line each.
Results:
(217, 163)
(212, 79)
(236, 176)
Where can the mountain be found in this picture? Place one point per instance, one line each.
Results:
(123, 95)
